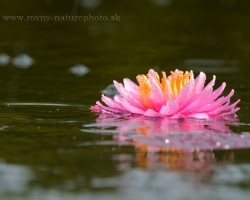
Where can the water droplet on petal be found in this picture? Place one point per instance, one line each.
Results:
(226, 146)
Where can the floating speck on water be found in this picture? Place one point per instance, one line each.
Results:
(79, 70)
(57, 170)
(4, 59)
(110, 90)
(90, 4)
(22, 61)
(213, 65)
(162, 2)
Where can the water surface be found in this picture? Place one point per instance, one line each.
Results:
(53, 147)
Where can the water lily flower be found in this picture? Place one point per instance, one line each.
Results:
(178, 95)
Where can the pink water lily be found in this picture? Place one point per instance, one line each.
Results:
(176, 96)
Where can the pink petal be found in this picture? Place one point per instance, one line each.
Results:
(167, 93)
(210, 107)
(199, 83)
(152, 113)
(177, 116)
(170, 108)
(130, 97)
(225, 107)
(156, 96)
(105, 108)
(199, 116)
(152, 73)
(211, 83)
(113, 104)
(197, 101)
(185, 94)
(218, 91)
(130, 85)
(96, 108)
(201, 98)
(132, 108)
(233, 111)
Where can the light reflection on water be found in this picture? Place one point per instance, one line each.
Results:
(140, 184)
(14, 178)
(212, 65)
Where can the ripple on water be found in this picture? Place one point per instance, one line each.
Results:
(212, 65)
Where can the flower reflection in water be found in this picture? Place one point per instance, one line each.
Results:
(171, 144)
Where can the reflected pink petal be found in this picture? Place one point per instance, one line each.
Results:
(166, 133)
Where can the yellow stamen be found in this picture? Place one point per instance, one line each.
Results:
(175, 82)
(163, 82)
(157, 79)
(178, 80)
(166, 88)
(144, 90)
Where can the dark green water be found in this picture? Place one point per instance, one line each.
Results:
(44, 151)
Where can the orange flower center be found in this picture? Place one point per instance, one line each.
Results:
(174, 82)
(144, 90)
(178, 80)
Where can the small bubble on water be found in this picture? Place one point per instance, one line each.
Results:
(110, 90)
(4, 59)
(23, 61)
(162, 2)
(90, 4)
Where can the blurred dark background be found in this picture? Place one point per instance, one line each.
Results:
(210, 36)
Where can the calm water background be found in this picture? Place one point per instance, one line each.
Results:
(45, 151)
